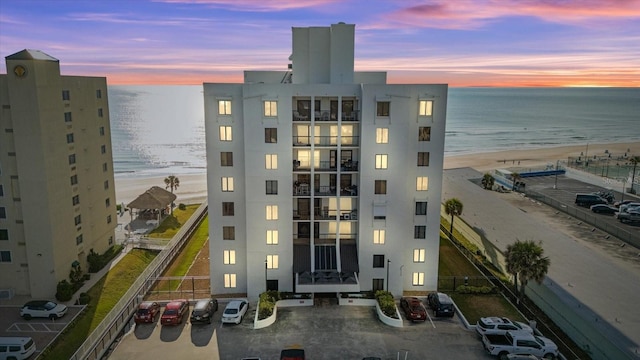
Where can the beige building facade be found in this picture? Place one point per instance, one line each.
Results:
(57, 191)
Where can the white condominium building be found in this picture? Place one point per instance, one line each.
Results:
(322, 179)
(57, 197)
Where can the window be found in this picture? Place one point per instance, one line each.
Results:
(272, 261)
(110, 240)
(380, 187)
(424, 133)
(229, 280)
(418, 255)
(228, 233)
(1, 190)
(67, 117)
(104, 167)
(72, 159)
(227, 184)
(101, 130)
(272, 187)
(78, 220)
(74, 180)
(382, 108)
(4, 234)
(419, 232)
(224, 108)
(98, 94)
(106, 184)
(76, 200)
(423, 158)
(426, 108)
(270, 135)
(100, 113)
(70, 138)
(378, 261)
(5, 256)
(272, 212)
(270, 108)
(271, 161)
(422, 183)
(228, 209)
(3, 213)
(381, 161)
(225, 133)
(421, 208)
(103, 149)
(229, 257)
(66, 95)
(378, 236)
(272, 237)
(418, 279)
(378, 284)
(107, 202)
(226, 158)
(108, 219)
(382, 136)
(79, 239)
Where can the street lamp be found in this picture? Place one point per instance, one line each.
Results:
(387, 281)
(266, 286)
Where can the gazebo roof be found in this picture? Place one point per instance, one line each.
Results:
(154, 198)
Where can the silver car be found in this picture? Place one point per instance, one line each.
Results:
(234, 311)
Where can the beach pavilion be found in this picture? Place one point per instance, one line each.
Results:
(151, 206)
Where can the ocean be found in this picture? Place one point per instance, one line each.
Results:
(159, 130)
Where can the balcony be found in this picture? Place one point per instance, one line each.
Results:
(326, 115)
(321, 166)
(303, 189)
(305, 140)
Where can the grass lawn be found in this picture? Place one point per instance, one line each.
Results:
(180, 265)
(104, 295)
(171, 224)
(476, 306)
(452, 263)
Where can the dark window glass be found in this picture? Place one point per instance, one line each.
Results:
(270, 135)
(228, 233)
(419, 232)
(226, 158)
(380, 187)
(272, 187)
(423, 159)
(383, 108)
(421, 208)
(228, 209)
(378, 261)
(424, 133)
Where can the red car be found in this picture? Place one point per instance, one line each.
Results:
(174, 312)
(147, 312)
(413, 309)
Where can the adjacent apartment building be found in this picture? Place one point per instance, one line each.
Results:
(322, 179)
(57, 197)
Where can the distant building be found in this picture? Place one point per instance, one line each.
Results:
(57, 196)
(322, 179)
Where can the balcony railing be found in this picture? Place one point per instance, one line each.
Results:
(326, 115)
(322, 166)
(302, 189)
(326, 214)
(326, 140)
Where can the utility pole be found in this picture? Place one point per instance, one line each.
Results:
(388, 265)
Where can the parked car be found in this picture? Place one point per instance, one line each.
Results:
(499, 326)
(174, 312)
(147, 312)
(519, 342)
(292, 354)
(628, 207)
(235, 311)
(520, 357)
(587, 200)
(628, 217)
(43, 309)
(441, 304)
(16, 348)
(203, 311)
(413, 309)
(622, 202)
(603, 209)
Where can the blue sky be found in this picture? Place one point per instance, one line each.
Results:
(459, 42)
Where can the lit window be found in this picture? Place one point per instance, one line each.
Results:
(423, 159)
(224, 107)
(70, 138)
(225, 133)
(382, 135)
(5, 256)
(420, 232)
(418, 255)
(67, 117)
(421, 208)
(378, 236)
(270, 108)
(228, 233)
(272, 187)
(272, 212)
(272, 237)
(229, 280)
(226, 158)
(426, 108)
(272, 261)
(229, 257)
(227, 184)
(381, 161)
(382, 108)
(380, 187)
(422, 183)
(228, 209)
(424, 133)
(271, 161)
(418, 279)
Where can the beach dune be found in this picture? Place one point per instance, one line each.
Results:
(193, 187)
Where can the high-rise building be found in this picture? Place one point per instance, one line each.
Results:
(57, 196)
(322, 179)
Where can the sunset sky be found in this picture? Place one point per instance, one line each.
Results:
(459, 42)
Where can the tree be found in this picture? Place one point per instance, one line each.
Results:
(526, 261)
(514, 177)
(172, 182)
(634, 160)
(487, 181)
(452, 207)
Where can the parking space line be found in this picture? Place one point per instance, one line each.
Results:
(431, 320)
(34, 327)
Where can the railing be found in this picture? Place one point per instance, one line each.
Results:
(99, 341)
(322, 140)
(321, 166)
(324, 115)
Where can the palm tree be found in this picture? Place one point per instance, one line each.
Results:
(172, 182)
(487, 181)
(514, 177)
(634, 160)
(452, 207)
(525, 260)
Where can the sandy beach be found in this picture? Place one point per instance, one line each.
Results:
(193, 187)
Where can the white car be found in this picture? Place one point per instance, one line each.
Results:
(43, 309)
(234, 311)
(499, 326)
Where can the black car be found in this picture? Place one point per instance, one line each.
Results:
(603, 209)
(203, 311)
(441, 304)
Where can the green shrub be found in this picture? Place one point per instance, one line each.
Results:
(267, 303)
(98, 261)
(182, 206)
(84, 298)
(466, 289)
(64, 291)
(387, 303)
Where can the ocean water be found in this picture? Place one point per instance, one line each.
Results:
(159, 130)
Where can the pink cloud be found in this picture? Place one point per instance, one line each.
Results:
(261, 5)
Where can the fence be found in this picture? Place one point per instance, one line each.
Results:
(179, 287)
(99, 341)
(451, 283)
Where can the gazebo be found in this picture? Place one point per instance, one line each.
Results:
(152, 205)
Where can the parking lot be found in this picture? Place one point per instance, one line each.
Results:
(325, 332)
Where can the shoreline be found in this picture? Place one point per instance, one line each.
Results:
(193, 186)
